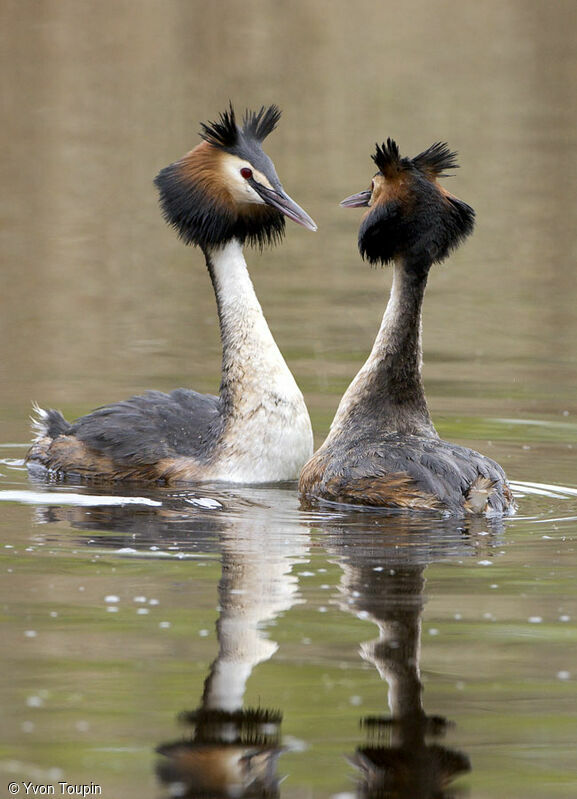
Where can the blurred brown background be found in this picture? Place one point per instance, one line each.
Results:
(99, 299)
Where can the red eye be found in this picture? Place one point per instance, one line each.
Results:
(246, 173)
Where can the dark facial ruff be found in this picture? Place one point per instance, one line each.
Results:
(206, 222)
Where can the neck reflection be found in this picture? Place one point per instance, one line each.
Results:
(232, 750)
(383, 582)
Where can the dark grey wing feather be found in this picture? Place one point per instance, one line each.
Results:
(152, 426)
(450, 471)
(435, 467)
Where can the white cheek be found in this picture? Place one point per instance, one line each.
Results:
(240, 189)
(249, 194)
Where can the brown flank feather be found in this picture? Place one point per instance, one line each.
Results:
(388, 491)
(68, 456)
(397, 490)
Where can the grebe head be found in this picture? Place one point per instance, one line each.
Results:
(227, 187)
(410, 214)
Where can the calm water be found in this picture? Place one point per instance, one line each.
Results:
(358, 653)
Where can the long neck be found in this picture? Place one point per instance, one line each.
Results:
(388, 391)
(251, 360)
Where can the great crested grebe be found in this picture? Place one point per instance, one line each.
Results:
(222, 194)
(382, 448)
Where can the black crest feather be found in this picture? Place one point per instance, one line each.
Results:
(261, 123)
(436, 159)
(387, 157)
(225, 133)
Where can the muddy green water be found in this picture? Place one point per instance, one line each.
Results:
(362, 655)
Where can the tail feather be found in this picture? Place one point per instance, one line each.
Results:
(48, 423)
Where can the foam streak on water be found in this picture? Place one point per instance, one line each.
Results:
(85, 500)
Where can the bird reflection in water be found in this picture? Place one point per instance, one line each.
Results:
(383, 581)
(230, 754)
(232, 750)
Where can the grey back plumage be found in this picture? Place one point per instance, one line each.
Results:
(152, 426)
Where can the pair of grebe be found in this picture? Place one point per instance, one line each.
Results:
(382, 448)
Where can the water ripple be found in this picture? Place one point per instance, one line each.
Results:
(521, 489)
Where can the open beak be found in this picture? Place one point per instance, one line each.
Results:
(283, 203)
(359, 200)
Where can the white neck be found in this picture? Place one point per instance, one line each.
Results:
(259, 394)
(246, 338)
